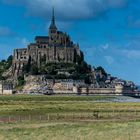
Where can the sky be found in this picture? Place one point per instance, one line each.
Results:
(108, 31)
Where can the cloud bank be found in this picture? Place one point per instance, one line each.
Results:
(5, 32)
(69, 10)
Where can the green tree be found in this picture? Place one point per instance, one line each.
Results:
(34, 70)
(43, 60)
(9, 62)
(1, 77)
(21, 81)
(27, 67)
(102, 70)
(60, 76)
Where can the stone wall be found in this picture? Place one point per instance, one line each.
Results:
(101, 90)
(6, 88)
(0, 88)
(7, 92)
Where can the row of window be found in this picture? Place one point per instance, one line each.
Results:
(23, 57)
(43, 47)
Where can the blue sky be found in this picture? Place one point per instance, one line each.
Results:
(108, 31)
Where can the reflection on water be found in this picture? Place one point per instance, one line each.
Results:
(126, 99)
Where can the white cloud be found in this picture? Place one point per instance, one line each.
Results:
(5, 31)
(132, 54)
(105, 46)
(109, 59)
(24, 42)
(66, 9)
(132, 20)
(21, 42)
(7, 48)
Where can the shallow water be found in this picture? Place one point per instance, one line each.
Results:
(125, 99)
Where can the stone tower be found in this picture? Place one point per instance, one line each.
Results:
(57, 47)
(52, 28)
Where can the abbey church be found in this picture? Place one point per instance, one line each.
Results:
(55, 48)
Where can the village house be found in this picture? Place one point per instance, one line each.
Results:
(6, 88)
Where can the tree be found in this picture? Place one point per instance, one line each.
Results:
(9, 62)
(43, 60)
(61, 76)
(27, 67)
(87, 80)
(34, 70)
(3, 61)
(1, 77)
(102, 70)
(42, 70)
(21, 81)
(9, 59)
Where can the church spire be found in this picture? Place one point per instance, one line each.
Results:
(53, 26)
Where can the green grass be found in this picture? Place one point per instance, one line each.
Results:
(53, 98)
(34, 105)
(70, 131)
(70, 118)
(24, 105)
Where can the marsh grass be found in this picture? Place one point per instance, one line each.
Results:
(70, 131)
(70, 118)
(42, 105)
(53, 98)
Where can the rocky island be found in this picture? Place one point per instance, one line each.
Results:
(54, 64)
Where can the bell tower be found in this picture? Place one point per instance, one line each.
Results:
(52, 28)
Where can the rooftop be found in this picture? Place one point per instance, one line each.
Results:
(41, 37)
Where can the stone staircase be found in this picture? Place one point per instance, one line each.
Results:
(8, 73)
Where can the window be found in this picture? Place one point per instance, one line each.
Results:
(53, 31)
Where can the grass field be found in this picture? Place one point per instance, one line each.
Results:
(22, 105)
(70, 131)
(70, 118)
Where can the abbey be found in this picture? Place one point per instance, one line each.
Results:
(55, 48)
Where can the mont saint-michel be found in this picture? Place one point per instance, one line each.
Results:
(69, 70)
(55, 48)
(54, 64)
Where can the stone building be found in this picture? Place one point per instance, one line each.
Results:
(6, 87)
(1, 91)
(56, 47)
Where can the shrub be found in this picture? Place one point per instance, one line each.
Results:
(21, 81)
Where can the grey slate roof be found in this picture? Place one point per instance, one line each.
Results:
(41, 37)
